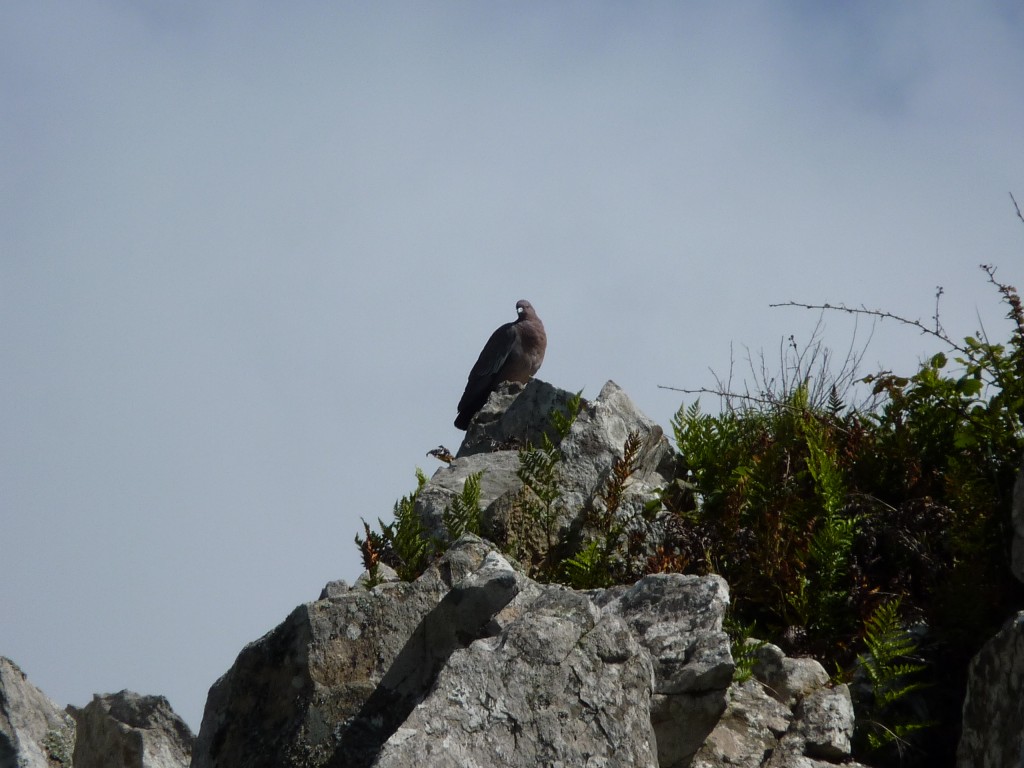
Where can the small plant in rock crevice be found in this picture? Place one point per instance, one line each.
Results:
(602, 560)
(744, 647)
(402, 543)
(463, 514)
(538, 509)
(563, 421)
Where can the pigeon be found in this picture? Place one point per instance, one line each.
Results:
(513, 353)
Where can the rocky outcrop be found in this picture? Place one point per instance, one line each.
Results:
(475, 663)
(338, 675)
(794, 721)
(127, 730)
(120, 730)
(475, 660)
(993, 722)
(563, 683)
(678, 620)
(34, 732)
(516, 417)
(786, 679)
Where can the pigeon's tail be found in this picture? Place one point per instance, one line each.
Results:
(470, 403)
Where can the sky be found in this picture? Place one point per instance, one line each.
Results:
(250, 251)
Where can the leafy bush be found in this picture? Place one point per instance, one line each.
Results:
(824, 519)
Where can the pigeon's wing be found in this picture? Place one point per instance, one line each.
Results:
(483, 376)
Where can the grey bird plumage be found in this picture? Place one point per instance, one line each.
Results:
(513, 353)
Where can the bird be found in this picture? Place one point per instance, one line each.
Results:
(513, 353)
(442, 454)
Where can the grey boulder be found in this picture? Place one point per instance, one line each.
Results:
(993, 715)
(517, 417)
(127, 730)
(34, 732)
(476, 664)
(810, 725)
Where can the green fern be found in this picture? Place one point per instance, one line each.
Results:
(402, 543)
(835, 403)
(562, 422)
(889, 666)
(743, 647)
(824, 468)
(538, 469)
(832, 541)
(588, 568)
(463, 514)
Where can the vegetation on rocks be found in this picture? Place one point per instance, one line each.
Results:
(823, 518)
(874, 537)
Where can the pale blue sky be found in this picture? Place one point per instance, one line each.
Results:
(249, 252)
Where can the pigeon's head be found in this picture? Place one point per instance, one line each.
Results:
(524, 309)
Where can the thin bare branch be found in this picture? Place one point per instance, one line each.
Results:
(1017, 207)
(938, 333)
(725, 394)
(939, 330)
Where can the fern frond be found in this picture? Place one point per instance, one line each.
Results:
(463, 514)
(587, 569)
(888, 665)
(562, 422)
(743, 646)
(402, 543)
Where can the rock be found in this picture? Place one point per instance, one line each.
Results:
(385, 574)
(761, 729)
(34, 732)
(596, 440)
(825, 723)
(993, 715)
(1017, 520)
(126, 730)
(678, 619)
(476, 664)
(821, 732)
(499, 479)
(562, 685)
(336, 588)
(340, 674)
(787, 679)
(749, 729)
(516, 417)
